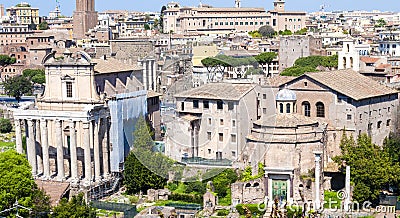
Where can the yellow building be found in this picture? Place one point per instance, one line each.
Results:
(23, 14)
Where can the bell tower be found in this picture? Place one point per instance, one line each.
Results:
(279, 5)
(237, 4)
(85, 17)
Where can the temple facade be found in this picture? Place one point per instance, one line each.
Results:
(69, 125)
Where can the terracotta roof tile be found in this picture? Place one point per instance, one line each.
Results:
(368, 59)
(222, 91)
(351, 83)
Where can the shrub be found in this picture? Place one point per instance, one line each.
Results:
(222, 212)
(294, 212)
(187, 198)
(196, 187)
(5, 125)
(252, 207)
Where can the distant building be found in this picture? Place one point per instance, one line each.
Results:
(293, 47)
(85, 17)
(282, 20)
(1, 10)
(23, 14)
(212, 121)
(209, 20)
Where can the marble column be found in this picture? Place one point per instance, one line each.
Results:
(86, 148)
(347, 189)
(45, 149)
(60, 151)
(144, 63)
(96, 151)
(73, 152)
(18, 136)
(317, 179)
(38, 147)
(105, 142)
(31, 147)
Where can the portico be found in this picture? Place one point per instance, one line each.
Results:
(66, 137)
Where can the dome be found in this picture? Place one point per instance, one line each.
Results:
(286, 95)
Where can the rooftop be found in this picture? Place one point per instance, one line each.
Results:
(351, 84)
(111, 65)
(218, 91)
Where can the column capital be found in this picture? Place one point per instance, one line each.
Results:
(86, 124)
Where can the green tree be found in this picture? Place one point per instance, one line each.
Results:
(32, 26)
(5, 125)
(380, 23)
(266, 58)
(310, 64)
(43, 25)
(266, 31)
(145, 169)
(17, 86)
(17, 183)
(76, 208)
(146, 26)
(161, 22)
(35, 75)
(285, 33)
(142, 135)
(6, 60)
(371, 167)
(301, 32)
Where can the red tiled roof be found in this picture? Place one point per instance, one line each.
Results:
(369, 59)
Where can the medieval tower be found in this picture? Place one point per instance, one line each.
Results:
(85, 17)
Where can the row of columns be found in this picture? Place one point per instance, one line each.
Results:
(38, 139)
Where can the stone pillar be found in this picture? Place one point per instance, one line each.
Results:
(45, 149)
(38, 147)
(31, 147)
(73, 152)
(86, 148)
(154, 72)
(144, 64)
(317, 179)
(196, 139)
(96, 151)
(106, 158)
(60, 151)
(18, 136)
(291, 186)
(347, 189)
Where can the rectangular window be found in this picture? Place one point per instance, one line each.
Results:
(230, 106)
(233, 138)
(348, 116)
(220, 105)
(69, 89)
(264, 96)
(195, 103)
(206, 104)
(209, 136)
(209, 121)
(233, 123)
(264, 110)
(221, 122)
(233, 154)
(221, 137)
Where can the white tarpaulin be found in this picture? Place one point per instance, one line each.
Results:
(125, 109)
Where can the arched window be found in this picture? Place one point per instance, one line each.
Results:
(306, 108)
(288, 108)
(281, 108)
(351, 62)
(344, 63)
(320, 109)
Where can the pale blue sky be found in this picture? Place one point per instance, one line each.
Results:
(67, 6)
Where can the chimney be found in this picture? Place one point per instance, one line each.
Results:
(1, 10)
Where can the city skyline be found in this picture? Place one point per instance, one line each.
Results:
(297, 5)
